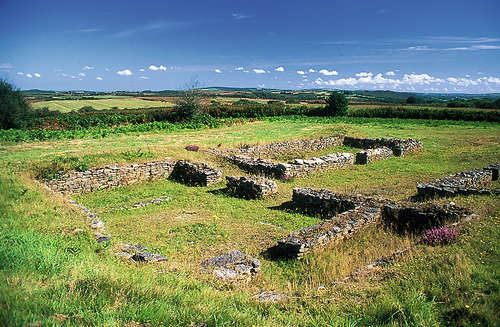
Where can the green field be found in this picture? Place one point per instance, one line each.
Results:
(120, 103)
(51, 276)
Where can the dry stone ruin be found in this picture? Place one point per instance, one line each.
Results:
(250, 187)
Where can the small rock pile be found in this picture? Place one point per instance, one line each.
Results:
(250, 187)
(137, 253)
(195, 174)
(97, 225)
(233, 265)
(463, 183)
(369, 155)
(145, 204)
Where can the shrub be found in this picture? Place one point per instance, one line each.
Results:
(192, 147)
(439, 236)
(336, 104)
(13, 107)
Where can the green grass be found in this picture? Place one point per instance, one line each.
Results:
(50, 275)
(68, 105)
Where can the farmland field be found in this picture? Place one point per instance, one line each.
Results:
(64, 274)
(120, 103)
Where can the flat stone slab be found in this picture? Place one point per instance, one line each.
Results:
(250, 187)
(366, 156)
(137, 253)
(233, 265)
(270, 297)
(195, 174)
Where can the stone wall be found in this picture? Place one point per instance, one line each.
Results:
(369, 155)
(109, 177)
(411, 217)
(463, 183)
(250, 187)
(331, 230)
(291, 146)
(195, 174)
(494, 168)
(297, 167)
(400, 147)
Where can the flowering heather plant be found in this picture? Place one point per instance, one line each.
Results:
(439, 236)
(192, 147)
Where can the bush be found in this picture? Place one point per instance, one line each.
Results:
(336, 104)
(13, 107)
(439, 236)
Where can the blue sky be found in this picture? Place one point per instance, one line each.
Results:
(405, 45)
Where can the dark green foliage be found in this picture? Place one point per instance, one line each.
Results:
(86, 109)
(252, 109)
(484, 103)
(60, 165)
(411, 99)
(13, 107)
(428, 113)
(188, 105)
(336, 104)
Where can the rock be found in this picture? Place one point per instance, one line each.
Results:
(270, 296)
(369, 155)
(233, 265)
(148, 257)
(103, 239)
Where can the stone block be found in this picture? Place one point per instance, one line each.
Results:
(250, 187)
(195, 174)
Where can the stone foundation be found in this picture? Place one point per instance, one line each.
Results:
(369, 155)
(410, 217)
(331, 230)
(463, 183)
(295, 168)
(292, 146)
(195, 174)
(400, 147)
(250, 187)
(494, 168)
(109, 177)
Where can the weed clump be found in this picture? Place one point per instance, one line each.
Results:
(439, 236)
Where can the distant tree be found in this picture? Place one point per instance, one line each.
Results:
(188, 105)
(411, 99)
(336, 104)
(496, 104)
(14, 110)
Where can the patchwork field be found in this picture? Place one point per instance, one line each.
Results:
(54, 273)
(120, 103)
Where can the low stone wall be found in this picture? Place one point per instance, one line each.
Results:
(494, 168)
(297, 167)
(233, 265)
(292, 146)
(250, 187)
(411, 217)
(369, 155)
(326, 203)
(195, 174)
(463, 183)
(331, 230)
(109, 176)
(400, 147)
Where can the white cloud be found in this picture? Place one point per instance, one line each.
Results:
(238, 16)
(262, 85)
(144, 77)
(141, 70)
(311, 70)
(420, 79)
(239, 68)
(88, 68)
(495, 80)
(280, 69)
(391, 73)
(364, 74)
(217, 70)
(301, 72)
(29, 75)
(107, 69)
(82, 74)
(125, 72)
(36, 75)
(155, 68)
(328, 73)
(99, 78)
(20, 73)
(419, 48)
(5, 65)
(259, 71)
